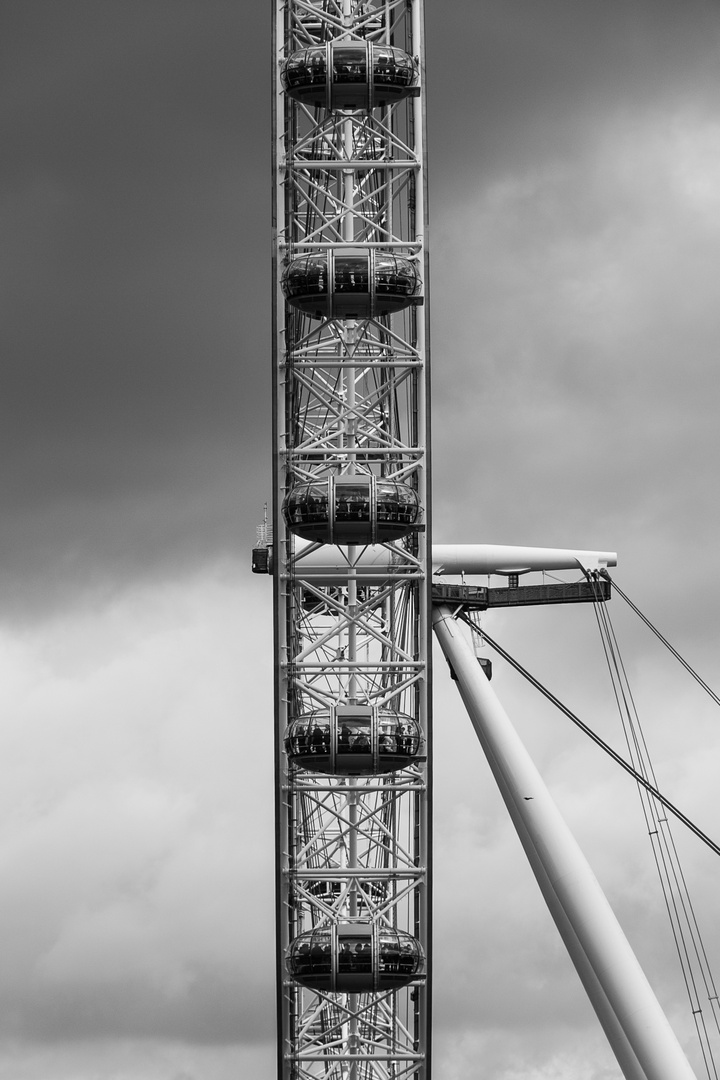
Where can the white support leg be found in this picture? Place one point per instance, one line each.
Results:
(643, 1041)
(623, 1051)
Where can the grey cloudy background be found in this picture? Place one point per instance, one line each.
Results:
(575, 230)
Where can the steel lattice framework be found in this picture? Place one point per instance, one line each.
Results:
(351, 619)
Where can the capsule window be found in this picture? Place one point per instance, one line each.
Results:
(349, 65)
(384, 65)
(315, 509)
(352, 510)
(355, 736)
(398, 955)
(350, 76)
(355, 954)
(310, 956)
(311, 739)
(396, 502)
(337, 285)
(355, 957)
(306, 276)
(395, 275)
(351, 273)
(306, 68)
(352, 502)
(354, 740)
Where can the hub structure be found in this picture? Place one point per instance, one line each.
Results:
(351, 534)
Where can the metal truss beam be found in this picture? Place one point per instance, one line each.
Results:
(350, 398)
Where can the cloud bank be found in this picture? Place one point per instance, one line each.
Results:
(574, 167)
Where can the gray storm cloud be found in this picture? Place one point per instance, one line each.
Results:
(574, 171)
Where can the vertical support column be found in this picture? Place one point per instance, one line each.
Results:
(350, 474)
(423, 809)
(637, 1029)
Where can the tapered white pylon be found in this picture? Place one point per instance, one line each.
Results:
(644, 1043)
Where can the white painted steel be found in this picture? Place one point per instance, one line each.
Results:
(350, 629)
(331, 564)
(620, 990)
(624, 1053)
(506, 559)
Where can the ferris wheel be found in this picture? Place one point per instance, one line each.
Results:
(350, 438)
(358, 585)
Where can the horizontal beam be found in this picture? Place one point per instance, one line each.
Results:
(478, 598)
(327, 565)
(356, 164)
(340, 873)
(507, 559)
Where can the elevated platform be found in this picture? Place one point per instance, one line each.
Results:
(479, 598)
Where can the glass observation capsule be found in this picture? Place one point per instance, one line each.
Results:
(353, 740)
(354, 957)
(356, 509)
(357, 285)
(353, 75)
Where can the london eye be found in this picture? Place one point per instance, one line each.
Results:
(358, 584)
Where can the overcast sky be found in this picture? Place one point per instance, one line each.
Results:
(575, 236)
